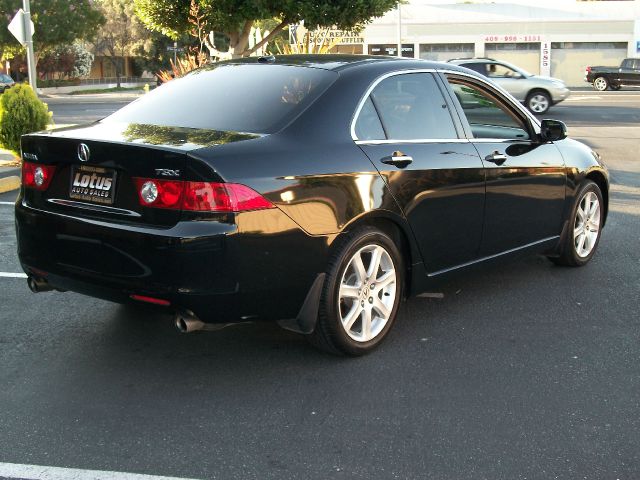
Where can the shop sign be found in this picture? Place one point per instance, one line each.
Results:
(545, 59)
(512, 38)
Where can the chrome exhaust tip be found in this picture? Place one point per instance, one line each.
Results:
(187, 322)
(37, 285)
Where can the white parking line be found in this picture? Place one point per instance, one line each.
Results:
(13, 275)
(7, 203)
(36, 472)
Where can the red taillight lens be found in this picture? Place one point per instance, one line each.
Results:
(36, 175)
(159, 193)
(588, 69)
(199, 196)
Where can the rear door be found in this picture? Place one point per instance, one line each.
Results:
(406, 128)
(525, 178)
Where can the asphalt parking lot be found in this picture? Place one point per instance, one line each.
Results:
(520, 371)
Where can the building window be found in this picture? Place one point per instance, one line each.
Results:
(588, 45)
(392, 49)
(496, 47)
(446, 47)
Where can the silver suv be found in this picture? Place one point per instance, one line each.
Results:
(536, 92)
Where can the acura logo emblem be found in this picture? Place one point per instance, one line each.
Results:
(83, 152)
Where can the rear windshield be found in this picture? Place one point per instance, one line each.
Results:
(242, 98)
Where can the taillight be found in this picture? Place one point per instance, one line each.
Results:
(199, 196)
(36, 175)
(159, 193)
(588, 69)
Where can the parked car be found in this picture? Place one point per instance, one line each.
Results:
(313, 190)
(536, 92)
(5, 82)
(627, 74)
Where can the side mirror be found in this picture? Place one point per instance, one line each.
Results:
(553, 130)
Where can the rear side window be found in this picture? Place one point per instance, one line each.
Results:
(411, 107)
(243, 98)
(481, 68)
(368, 126)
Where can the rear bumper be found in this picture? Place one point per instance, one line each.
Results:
(222, 272)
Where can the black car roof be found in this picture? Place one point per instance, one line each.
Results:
(339, 62)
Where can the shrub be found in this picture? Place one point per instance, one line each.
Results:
(22, 112)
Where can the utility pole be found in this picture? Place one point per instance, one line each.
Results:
(31, 58)
(399, 31)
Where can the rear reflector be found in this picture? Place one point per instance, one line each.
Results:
(155, 301)
(199, 196)
(36, 175)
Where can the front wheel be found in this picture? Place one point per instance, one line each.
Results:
(582, 238)
(601, 84)
(361, 294)
(538, 102)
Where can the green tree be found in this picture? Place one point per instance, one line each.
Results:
(235, 18)
(122, 34)
(57, 22)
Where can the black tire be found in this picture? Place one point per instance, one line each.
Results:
(538, 102)
(330, 335)
(600, 83)
(569, 255)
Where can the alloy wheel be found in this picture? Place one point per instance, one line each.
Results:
(586, 227)
(600, 84)
(367, 293)
(539, 103)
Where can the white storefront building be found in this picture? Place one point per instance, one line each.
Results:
(549, 38)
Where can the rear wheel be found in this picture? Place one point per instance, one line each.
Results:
(361, 294)
(582, 239)
(601, 84)
(538, 101)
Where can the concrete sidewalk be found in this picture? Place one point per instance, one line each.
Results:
(9, 171)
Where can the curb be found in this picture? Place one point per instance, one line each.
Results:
(8, 184)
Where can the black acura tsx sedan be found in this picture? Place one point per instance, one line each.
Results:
(316, 191)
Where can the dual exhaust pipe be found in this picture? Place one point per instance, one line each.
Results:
(185, 320)
(37, 285)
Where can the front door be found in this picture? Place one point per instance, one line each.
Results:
(525, 177)
(407, 130)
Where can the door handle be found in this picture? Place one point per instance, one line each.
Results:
(397, 159)
(496, 157)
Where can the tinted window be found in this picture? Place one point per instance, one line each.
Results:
(411, 107)
(5, 78)
(481, 68)
(368, 126)
(497, 70)
(242, 98)
(487, 115)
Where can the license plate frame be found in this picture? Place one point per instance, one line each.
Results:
(92, 184)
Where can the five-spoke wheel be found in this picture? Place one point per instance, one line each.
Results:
(367, 293)
(538, 102)
(580, 242)
(361, 294)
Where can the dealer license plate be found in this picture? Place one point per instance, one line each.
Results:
(92, 184)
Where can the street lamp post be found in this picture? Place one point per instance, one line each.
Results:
(399, 31)
(31, 59)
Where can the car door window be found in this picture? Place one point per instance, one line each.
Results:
(368, 126)
(497, 70)
(411, 107)
(487, 114)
